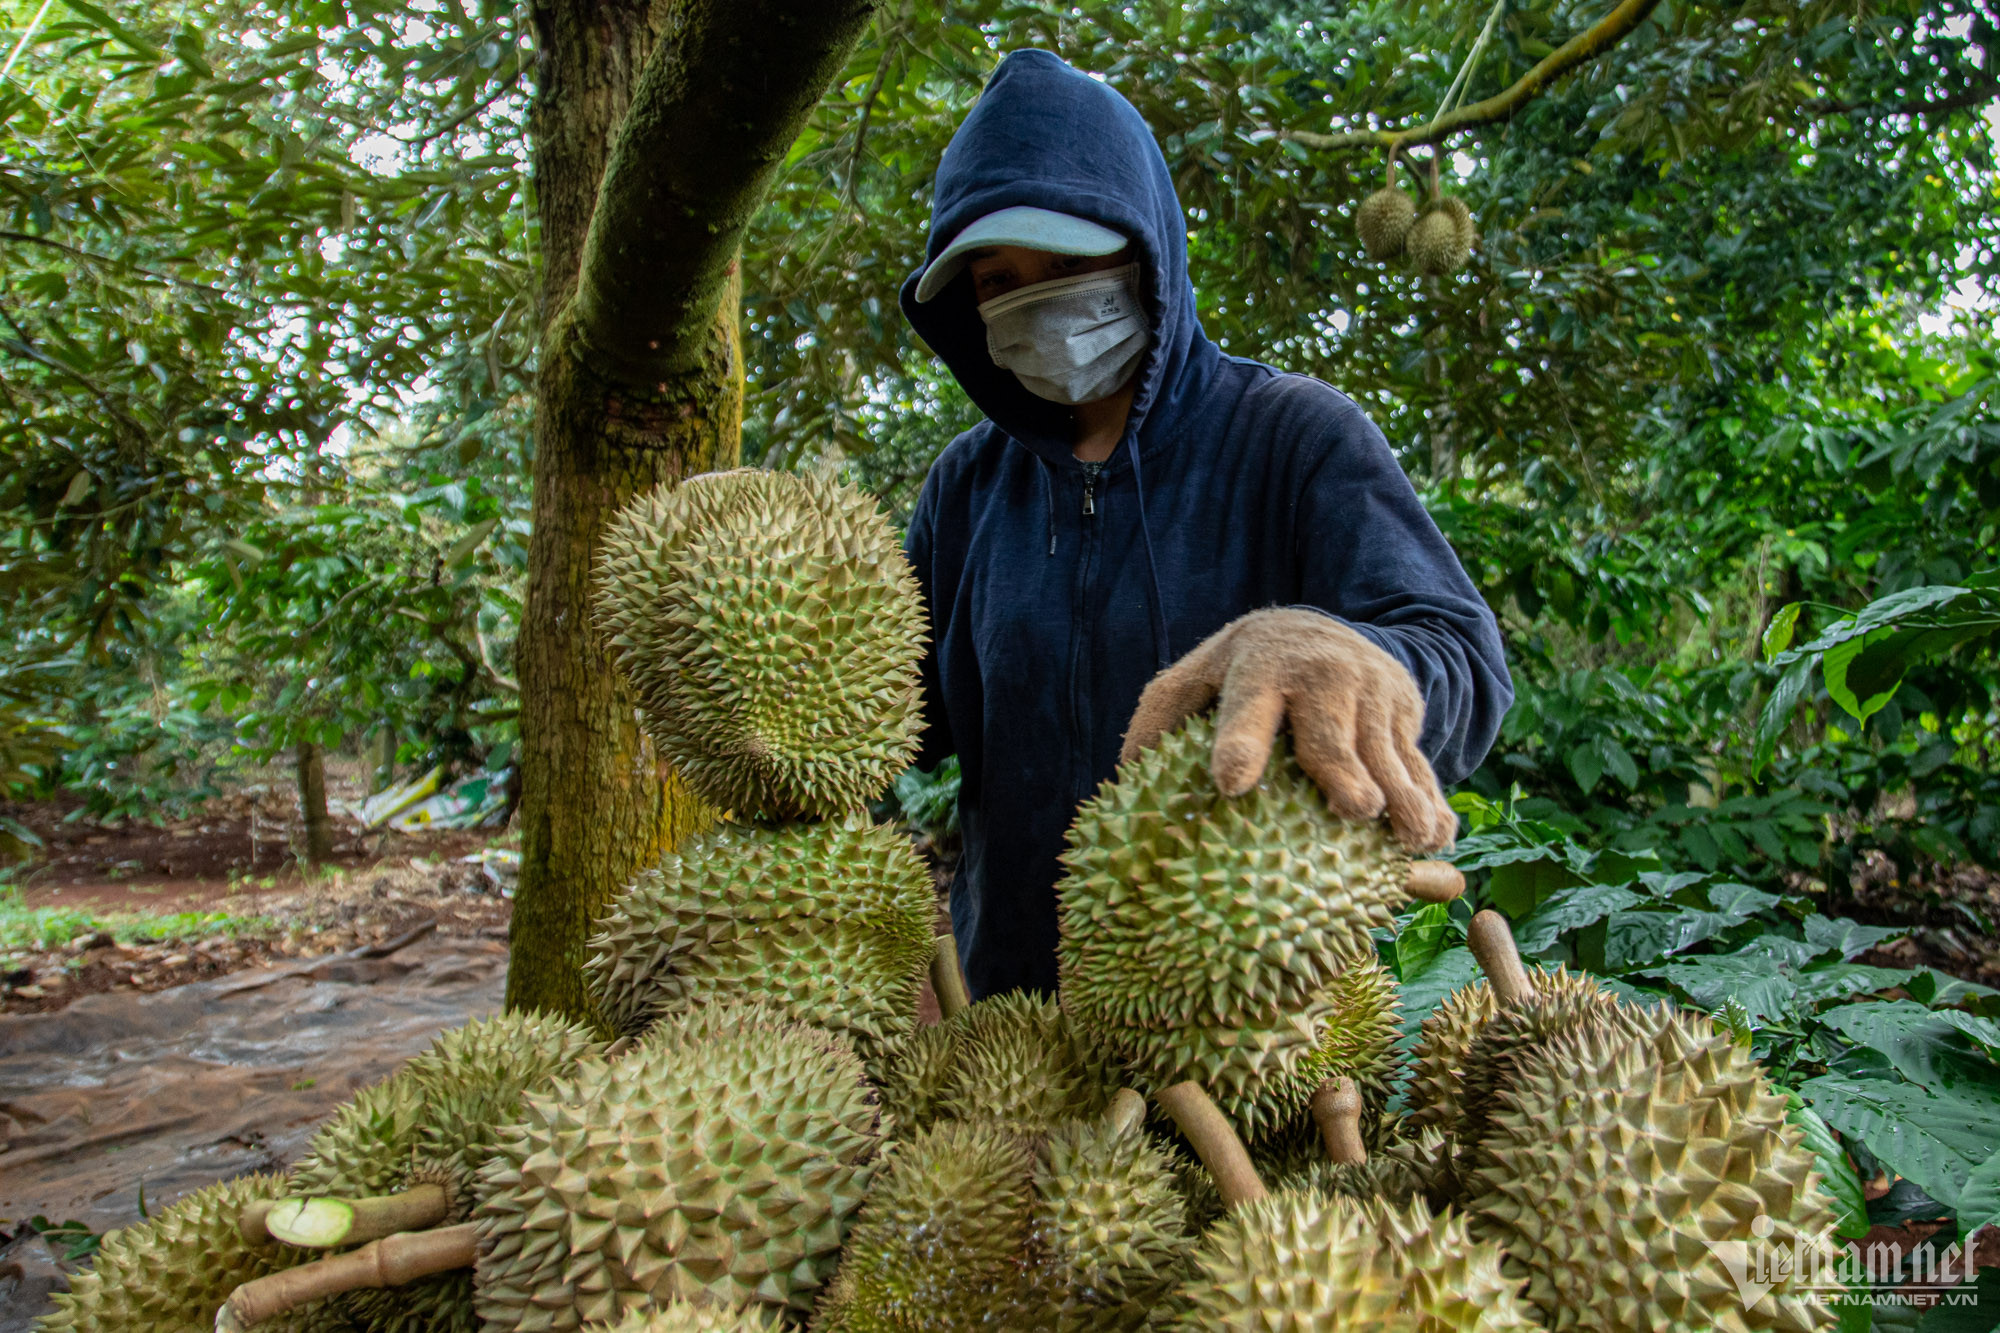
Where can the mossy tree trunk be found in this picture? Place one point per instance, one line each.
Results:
(657, 128)
(311, 767)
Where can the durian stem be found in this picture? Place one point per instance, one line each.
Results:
(1336, 1109)
(1492, 942)
(324, 1223)
(1214, 1140)
(251, 1223)
(389, 1262)
(1435, 881)
(1127, 1109)
(946, 978)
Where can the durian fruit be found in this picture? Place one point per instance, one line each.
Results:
(1560, 1002)
(721, 1158)
(771, 630)
(1623, 1164)
(975, 1226)
(171, 1273)
(1358, 1039)
(436, 1120)
(1201, 933)
(1014, 1059)
(1305, 1261)
(831, 922)
(1437, 1064)
(1383, 222)
(689, 1317)
(1441, 240)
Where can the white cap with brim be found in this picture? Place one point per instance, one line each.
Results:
(1034, 228)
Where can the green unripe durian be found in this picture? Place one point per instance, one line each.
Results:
(1201, 933)
(720, 1159)
(771, 630)
(436, 1120)
(1014, 1059)
(1441, 240)
(831, 922)
(1383, 222)
(1304, 1261)
(171, 1273)
(690, 1317)
(1620, 1158)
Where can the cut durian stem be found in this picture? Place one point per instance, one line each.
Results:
(1435, 881)
(1336, 1109)
(250, 1224)
(1215, 1141)
(1127, 1109)
(323, 1223)
(391, 1261)
(947, 979)
(1492, 942)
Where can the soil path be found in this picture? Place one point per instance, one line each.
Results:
(182, 1087)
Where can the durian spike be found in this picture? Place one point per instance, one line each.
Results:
(1215, 1142)
(1127, 1109)
(1336, 1109)
(1435, 881)
(250, 1223)
(619, 1047)
(946, 978)
(1492, 942)
(324, 1224)
(392, 1261)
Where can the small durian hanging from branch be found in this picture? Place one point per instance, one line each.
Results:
(1441, 239)
(1384, 218)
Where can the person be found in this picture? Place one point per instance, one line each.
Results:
(1135, 494)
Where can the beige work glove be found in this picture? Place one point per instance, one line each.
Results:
(1354, 710)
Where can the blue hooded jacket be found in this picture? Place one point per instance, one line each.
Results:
(1054, 597)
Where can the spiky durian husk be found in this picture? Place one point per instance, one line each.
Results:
(1358, 1038)
(443, 1110)
(1304, 1261)
(1109, 1231)
(1383, 222)
(1621, 1164)
(1437, 1065)
(771, 630)
(1014, 1059)
(939, 1245)
(171, 1273)
(720, 1159)
(436, 1120)
(1561, 1002)
(831, 922)
(1200, 932)
(689, 1317)
(1441, 240)
(976, 1226)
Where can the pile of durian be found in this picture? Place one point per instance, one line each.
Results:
(1214, 1128)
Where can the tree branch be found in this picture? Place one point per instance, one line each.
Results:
(1587, 45)
(715, 111)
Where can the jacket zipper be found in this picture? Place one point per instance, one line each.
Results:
(1079, 722)
(1090, 471)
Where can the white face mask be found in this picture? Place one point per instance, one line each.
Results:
(1073, 340)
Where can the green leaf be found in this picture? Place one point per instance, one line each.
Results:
(1778, 634)
(470, 542)
(1850, 1202)
(1979, 1201)
(1925, 1047)
(1777, 714)
(1586, 765)
(1421, 940)
(1517, 887)
(1835, 666)
(1935, 1141)
(1848, 938)
(1570, 909)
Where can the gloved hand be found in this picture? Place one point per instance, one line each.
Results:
(1354, 710)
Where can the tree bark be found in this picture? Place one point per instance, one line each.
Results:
(312, 805)
(656, 130)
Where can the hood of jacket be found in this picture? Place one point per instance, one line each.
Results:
(1045, 135)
